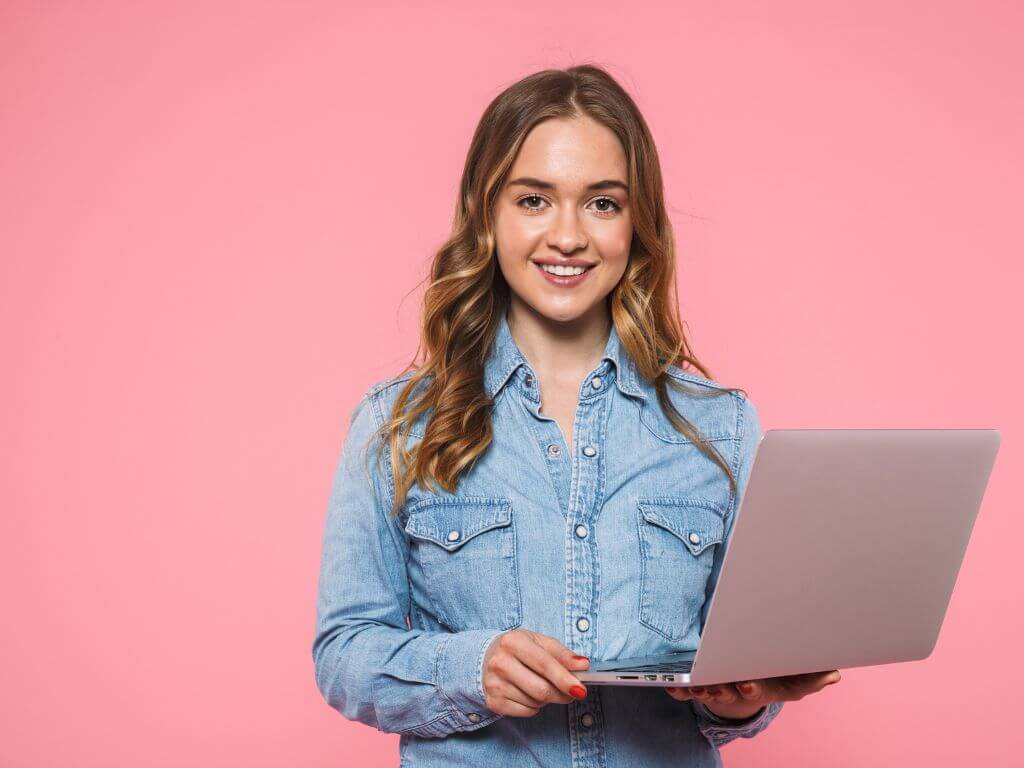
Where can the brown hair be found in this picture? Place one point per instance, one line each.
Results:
(467, 294)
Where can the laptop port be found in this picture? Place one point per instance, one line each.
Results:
(650, 677)
(670, 678)
(628, 677)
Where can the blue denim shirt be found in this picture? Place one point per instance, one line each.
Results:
(588, 543)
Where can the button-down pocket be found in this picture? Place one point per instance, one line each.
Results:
(678, 541)
(465, 549)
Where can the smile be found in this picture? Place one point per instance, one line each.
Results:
(563, 276)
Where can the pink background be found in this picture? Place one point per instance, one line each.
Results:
(214, 218)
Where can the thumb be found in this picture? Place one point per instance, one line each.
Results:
(567, 657)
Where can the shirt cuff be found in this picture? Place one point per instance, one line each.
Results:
(459, 676)
(720, 730)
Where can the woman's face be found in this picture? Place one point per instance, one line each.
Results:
(566, 201)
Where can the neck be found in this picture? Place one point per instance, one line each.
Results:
(557, 349)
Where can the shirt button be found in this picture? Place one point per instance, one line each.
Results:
(695, 538)
(590, 451)
(582, 624)
(453, 535)
(587, 719)
(554, 450)
(528, 380)
(596, 382)
(474, 717)
(581, 531)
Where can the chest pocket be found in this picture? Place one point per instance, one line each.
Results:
(678, 541)
(463, 551)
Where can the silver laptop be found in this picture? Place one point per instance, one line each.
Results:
(844, 553)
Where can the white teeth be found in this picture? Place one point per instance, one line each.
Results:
(560, 270)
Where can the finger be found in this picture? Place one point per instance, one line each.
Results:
(536, 686)
(750, 690)
(535, 656)
(721, 693)
(511, 691)
(505, 670)
(565, 656)
(514, 709)
(725, 693)
(813, 681)
(678, 693)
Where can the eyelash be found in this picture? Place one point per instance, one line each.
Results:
(596, 200)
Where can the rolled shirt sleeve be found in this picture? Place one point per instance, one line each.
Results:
(717, 730)
(369, 664)
(720, 731)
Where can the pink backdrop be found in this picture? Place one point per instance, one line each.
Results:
(213, 221)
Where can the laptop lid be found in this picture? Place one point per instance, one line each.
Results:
(845, 550)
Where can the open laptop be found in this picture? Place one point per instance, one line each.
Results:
(844, 553)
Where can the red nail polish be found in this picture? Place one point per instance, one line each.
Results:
(578, 691)
(698, 689)
(746, 687)
(580, 658)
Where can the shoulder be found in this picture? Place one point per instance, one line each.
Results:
(380, 396)
(382, 387)
(718, 411)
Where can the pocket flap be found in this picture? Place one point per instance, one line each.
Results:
(450, 523)
(696, 522)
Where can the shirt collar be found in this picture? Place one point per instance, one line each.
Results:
(505, 357)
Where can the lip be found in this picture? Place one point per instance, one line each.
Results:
(564, 281)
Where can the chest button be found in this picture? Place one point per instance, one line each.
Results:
(528, 380)
(474, 717)
(554, 450)
(453, 535)
(590, 451)
(695, 538)
(582, 624)
(596, 382)
(587, 719)
(581, 531)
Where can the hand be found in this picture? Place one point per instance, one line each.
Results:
(524, 670)
(742, 699)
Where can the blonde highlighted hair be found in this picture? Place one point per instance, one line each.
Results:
(467, 294)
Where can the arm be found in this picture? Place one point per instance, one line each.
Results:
(369, 665)
(719, 730)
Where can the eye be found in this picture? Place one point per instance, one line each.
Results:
(529, 197)
(615, 206)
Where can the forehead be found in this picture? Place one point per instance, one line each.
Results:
(570, 153)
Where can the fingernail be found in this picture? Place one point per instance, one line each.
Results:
(578, 691)
(581, 658)
(698, 689)
(746, 687)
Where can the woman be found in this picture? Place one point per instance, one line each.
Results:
(549, 485)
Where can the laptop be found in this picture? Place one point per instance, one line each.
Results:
(844, 553)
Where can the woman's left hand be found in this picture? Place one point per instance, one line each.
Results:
(743, 698)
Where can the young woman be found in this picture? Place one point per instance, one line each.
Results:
(550, 484)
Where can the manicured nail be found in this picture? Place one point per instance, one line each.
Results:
(581, 658)
(698, 689)
(578, 691)
(746, 687)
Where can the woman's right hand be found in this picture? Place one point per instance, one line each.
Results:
(524, 670)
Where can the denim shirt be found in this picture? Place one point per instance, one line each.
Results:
(592, 543)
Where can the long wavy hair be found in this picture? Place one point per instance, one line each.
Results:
(467, 294)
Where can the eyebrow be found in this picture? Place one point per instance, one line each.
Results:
(530, 181)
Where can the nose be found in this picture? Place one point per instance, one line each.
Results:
(566, 233)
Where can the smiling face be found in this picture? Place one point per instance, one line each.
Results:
(565, 203)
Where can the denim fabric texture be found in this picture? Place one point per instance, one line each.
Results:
(612, 545)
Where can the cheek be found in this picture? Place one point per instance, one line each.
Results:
(614, 248)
